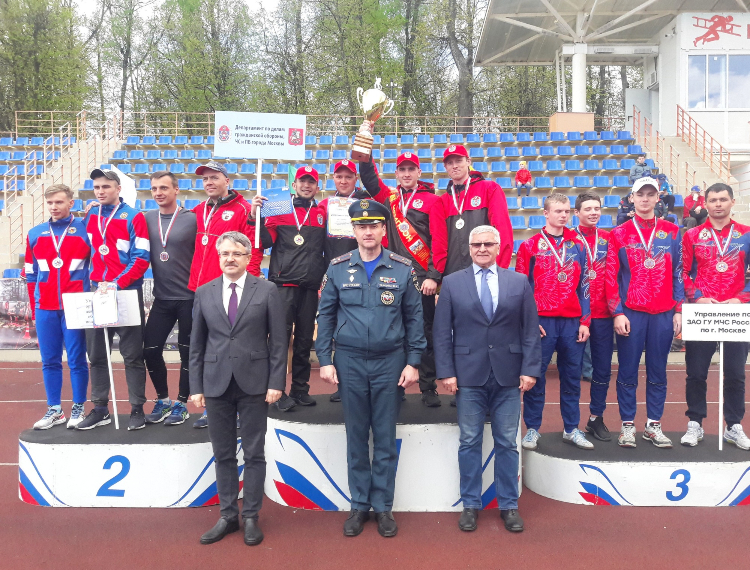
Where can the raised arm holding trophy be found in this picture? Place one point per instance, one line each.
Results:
(375, 104)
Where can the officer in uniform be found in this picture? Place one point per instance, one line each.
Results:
(370, 305)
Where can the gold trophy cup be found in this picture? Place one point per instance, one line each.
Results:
(375, 104)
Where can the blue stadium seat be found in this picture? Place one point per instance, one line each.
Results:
(241, 184)
(440, 139)
(557, 136)
(136, 155)
(498, 167)
(184, 184)
(516, 244)
(190, 204)
(322, 154)
(247, 168)
(442, 184)
(424, 153)
(13, 273)
(308, 155)
(602, 182)
(166, 140)
(77, 206)
(540, 137)
(507, 138)
(635, 149)
(198, 184)
(562, 182)
(339, 154)
(177, 168)
(38, 141)
(149, 140)
(624, 136)
(330, 185)
(547, 150)
(389, 168)
(554, 166)
(622, 182)
(171, 154)
(390, 182)
(440, 168)
(542, 182)
(22, 141)
(627, 163)
(342, 140)
(572, 165)
(651, 164)
(187, 154)
(528, 151)
(427, 168)
(150, 205)
(504, 182)
(324, 140)
(582, 150)
(124, 168)
(321, 168)
(679, 201)
(489, 138)
(196, 139)
(530, 203)
(4, 155)
(590, 136)
(282, 168)
(564, 151)
(18, 156)
(480, 166)
(133, 140)
(574, 136)
(591, 164)
(514, 165)
(523, 137)
(476, 152)
(511, 151)
(605, 222)
(232, 168)
(536, 166)
(574, 222)
(473, 139)
(494, 151)
(407, 139)
(607, 136)
(610, 164)
(192, 167)
(391, 140)
(210, 139)
(390, 154)
(581, 182)
(617, 150)
(600, 150)
(157, 166)
(153, 154)
(144, 184)
(611, 200)
(120, 155)
(3, 169)
(537, 222)
(311, 140)
(512, 202)
(141, 168)
(181, 139)
(423, 139)
(518, 222)
(457, 138)
(278, 183)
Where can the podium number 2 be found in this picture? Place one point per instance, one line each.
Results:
(106, 490)
(682, 485)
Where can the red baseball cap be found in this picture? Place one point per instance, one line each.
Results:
(345, 164)
(306, 171)
(455, 149)
(407, 157)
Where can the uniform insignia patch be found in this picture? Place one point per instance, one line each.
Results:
(351, 278)
(602, 241)
(415, 280)
(364, 204)
(351, 270)
(388, 279)
(124, 215)
(227, 215)
(387, 298)
(418, 203)
(451, 148)
(475, 201)
(571, 243)
(341, 258)
(396, 257)
(71, 230)
(351, 286)
(735, 234)
(661, 234)
(324, 282)
(320, 219)
(704, 234)
(543, 245)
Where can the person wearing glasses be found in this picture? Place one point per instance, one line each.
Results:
(488, 352)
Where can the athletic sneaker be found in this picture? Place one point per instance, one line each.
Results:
(654, 434)
(577, 438)
(178, 415)
(53, 417)
(597, 428)
(161, 410)
(693, 436)
(627, 435)
(737, 437)
(76, 416)
(137, 418)
(530, 439)
(201, 422)
(99, 416)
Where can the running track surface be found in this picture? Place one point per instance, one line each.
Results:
(558, 535)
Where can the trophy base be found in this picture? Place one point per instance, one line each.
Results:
(362, 147)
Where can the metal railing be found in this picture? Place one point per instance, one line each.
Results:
(704, 145)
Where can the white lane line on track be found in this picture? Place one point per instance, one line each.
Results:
(8, 464)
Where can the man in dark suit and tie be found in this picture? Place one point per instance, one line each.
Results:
(237, 366)
(487, 352)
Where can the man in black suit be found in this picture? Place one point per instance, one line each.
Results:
(487, 351)
(237, 366)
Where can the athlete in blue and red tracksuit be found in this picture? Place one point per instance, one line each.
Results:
(555, 262)
(588, 209)
(716, 258)
(58, 256)
(644, 291)
(120, 255)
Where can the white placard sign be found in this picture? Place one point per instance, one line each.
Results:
(79, 313)
(721, 323)
(260, 135)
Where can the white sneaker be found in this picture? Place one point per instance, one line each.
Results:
(530, 439)
(654, 434)
(50, 419)
(76, 416)
(737, 437)
(693, 436)
(627, 435)
(577, 438)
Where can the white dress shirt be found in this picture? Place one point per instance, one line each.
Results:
(226, 292)
(491, 281)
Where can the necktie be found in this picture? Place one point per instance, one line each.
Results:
(485, 296)
(232, 309)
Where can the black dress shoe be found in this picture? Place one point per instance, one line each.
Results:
(513, 521)
(285, 403)
(220, 530)
(303, 398)
(336, 396)
(430, 399)
(386, 524)
(468, 520)
(356, 522)
(253, 534)
(597, 428)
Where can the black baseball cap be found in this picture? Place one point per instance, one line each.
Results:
(110, 174)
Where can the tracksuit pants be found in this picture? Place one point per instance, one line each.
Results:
(161, 319)
(52, 333)
(601, 343)
(561, 336)
(301, 307)
(427, 372)
(653, 332)
(697, 360)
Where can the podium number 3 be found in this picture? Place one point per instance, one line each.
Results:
(106, 490)
(682, 485)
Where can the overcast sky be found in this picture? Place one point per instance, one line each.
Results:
(88, 6)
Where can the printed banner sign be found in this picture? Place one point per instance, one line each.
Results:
(260, 135)
(728, 323)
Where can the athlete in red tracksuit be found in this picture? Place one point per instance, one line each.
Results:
(224, 211)
(120, 255)
(645, 292)
(470, 201)
(297, 268)
(555, 262)
(408, 232)
(716, 258)
(58, 254)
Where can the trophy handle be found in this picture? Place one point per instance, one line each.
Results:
(390, 107)
(360, 91)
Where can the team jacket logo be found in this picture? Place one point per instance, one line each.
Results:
(295, 137)
(543, 245)
(320, 219)
(475, 201)
(124, 215)
(387, 297)
(227, 215)
(71, 230)
(704, 235)
(662, 234)
(224, 133)
(418, 203)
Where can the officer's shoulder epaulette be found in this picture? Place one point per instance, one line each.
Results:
(397, 257)
(341, 258)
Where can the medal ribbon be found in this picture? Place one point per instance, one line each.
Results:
(206, 220)
(296, 219)
(453, 195)
(103, 232)
(553, 247)
(164, 237)
(643, 241)
(592, 256)
(411, 240)
(405, 207)
(55, 243)
(723, 250)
